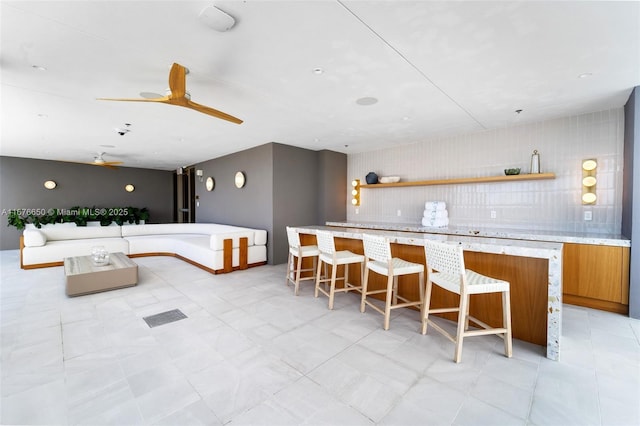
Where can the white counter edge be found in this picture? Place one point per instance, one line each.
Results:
(550, 236)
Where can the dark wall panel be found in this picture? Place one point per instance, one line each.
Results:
(21, 186)
(295, 193)
(250, 206)
(285, 185)
(332, 187)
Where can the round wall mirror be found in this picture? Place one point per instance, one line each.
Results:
(210, 183)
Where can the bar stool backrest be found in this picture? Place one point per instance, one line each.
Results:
(326, 243)
(293, 237)
(445, 258)
(376, 247)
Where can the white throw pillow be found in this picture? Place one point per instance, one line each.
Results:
(34, 238)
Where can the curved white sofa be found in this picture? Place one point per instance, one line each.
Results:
(213, 247)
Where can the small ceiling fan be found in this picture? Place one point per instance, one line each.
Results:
(98, 160)
(180, 97)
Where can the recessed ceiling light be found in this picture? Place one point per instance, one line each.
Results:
(367, 100)
(318, 71)
(38, 67)
(585, 75)
(405, 118)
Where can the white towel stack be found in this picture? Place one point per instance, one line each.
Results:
(435, 214)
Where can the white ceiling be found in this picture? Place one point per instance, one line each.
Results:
(437, 69)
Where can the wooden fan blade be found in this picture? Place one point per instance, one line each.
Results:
(108, 166)
(177, 81)
(162, 99)
(213, 112)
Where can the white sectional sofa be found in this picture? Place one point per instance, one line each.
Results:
(213, 247)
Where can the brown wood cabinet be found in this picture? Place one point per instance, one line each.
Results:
(596, 276)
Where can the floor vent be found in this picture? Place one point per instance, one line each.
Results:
(164, 318)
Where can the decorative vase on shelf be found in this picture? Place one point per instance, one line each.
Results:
(535, 162)
(371, 178)
(99, 256)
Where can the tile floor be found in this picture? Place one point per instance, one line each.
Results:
(252, 353)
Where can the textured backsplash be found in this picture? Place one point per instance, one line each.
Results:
(543, 205)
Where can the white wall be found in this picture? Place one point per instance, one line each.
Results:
(545, 205)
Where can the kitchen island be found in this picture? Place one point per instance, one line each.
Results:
(534, 269)
(595, 265)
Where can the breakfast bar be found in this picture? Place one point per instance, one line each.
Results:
(533, 268)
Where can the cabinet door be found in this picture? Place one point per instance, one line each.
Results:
(593, 271)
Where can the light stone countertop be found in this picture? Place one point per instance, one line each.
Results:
(516, 234)
(514, 247)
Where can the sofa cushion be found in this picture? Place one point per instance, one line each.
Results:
(56, 251)
(34, 238)
(260, 237)
(70, 231)
(217, 240)
(167, 243)
(175, 228)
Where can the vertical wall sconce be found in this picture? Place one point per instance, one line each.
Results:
(589, 181)
(200, 175)
(355, 192)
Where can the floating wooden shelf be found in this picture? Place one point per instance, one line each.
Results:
(484, 179)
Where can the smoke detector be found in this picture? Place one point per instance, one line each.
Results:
(217, 19)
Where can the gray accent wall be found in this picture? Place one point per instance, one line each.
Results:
(21, 186)
(295, 195)
(631, 196)
(332, 170)
(285, 185)
(251, 205)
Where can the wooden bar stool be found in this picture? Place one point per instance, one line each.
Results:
(445, 268)
(294, 271)
(329, 256)
(377, 251)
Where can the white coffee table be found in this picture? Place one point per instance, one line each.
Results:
(83, 277)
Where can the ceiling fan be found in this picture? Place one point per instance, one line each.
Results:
(98, 160)
(180, 97)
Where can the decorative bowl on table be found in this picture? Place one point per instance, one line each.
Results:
(389, 179)
(99, 256)
(511, 172)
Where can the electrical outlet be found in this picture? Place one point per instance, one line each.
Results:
(588, 215)
(357, 210)
(493, 214)
(399, 212)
